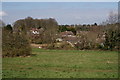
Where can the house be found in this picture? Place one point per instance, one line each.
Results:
(59, 40)
(36, 31)
(66, 34)
(82, 32)
(71, 39)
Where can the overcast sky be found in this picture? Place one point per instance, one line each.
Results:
(63, 12)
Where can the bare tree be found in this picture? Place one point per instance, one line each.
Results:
(112, 18)
(112, 32)
(51, 29)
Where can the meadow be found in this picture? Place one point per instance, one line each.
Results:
(62, 64)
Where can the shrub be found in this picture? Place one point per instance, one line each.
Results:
(112, 37)
(61, 45)
(84, 43)
(14, 44)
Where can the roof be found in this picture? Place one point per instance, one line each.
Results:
(71, 39)
(37, 31)
(67, 33)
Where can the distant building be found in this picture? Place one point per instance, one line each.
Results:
(66, 33)
(71, 39)
(68, 36)
(36, 31)
(59, 39)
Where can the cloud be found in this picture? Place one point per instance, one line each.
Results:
(2, 13)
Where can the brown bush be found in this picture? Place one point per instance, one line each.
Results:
(14, 44)
(61, 45)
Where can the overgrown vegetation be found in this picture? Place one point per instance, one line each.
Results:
(48, 28)
(17, 38)
(14, 43)
(112, 41)
(63, 28)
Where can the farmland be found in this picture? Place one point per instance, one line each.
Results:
(62, 64)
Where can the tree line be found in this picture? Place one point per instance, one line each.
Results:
(16, 38)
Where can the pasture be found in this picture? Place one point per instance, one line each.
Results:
(62, 64)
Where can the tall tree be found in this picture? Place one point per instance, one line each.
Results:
(112, 32)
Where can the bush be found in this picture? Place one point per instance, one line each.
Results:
(100, 46)
(84, 43)
(61, 45)
(112, 37)
(14, 44)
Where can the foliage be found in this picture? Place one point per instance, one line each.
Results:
(82, 27)
(50, 27)
(95, 24)
(84, 43)
(14, 43)
(112, 37)
(63, 28)
(61, 46)
(72, 29)
(8, 28)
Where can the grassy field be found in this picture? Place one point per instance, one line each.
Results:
(62, 64)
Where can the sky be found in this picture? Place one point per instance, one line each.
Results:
(63, 12)
(60, 0)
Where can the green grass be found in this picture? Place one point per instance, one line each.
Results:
(62, 64)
